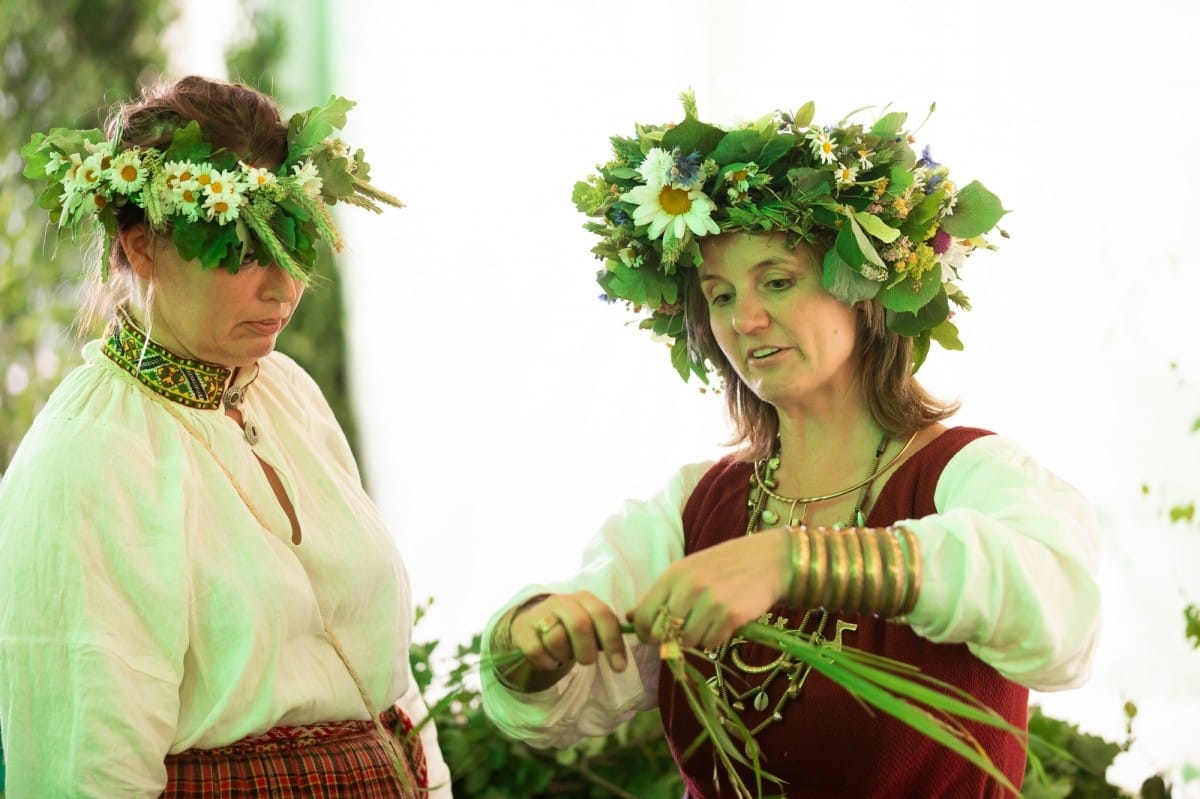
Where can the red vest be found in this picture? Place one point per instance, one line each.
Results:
(828, 746)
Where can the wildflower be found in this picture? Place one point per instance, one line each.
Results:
(667, 206)
(127, 175)
(823, 145)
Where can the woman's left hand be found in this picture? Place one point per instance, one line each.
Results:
(710, 594)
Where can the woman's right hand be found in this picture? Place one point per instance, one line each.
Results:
(560, 630)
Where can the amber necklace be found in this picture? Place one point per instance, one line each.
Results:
(795, 672)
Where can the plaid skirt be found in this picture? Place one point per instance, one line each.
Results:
(343, 759)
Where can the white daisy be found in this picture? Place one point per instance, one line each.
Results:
(845, 174)
(224, 183)
(222, 207)
(180, 172)
(823, 145)
(186, 196)
(127, 175)
(309, 179)
(667, 206)
(257, 177)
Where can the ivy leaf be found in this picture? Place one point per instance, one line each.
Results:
(976, 211)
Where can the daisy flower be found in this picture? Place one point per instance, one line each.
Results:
(670, 207)
(127, 174)
(178, 172)
(845, 174)
(822, 145)
(185, 197)
(224, 183)
(258, 177)
(86, 174)
(222, 207)
(203, 174)
(309, 179)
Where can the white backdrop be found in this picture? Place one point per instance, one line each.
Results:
(505, 411)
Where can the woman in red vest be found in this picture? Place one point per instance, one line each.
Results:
(809, 268)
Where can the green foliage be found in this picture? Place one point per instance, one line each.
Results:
(1074, 763)
(67, 56)
(633, 762)
(61, 58)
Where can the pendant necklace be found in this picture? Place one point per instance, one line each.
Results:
(232, 400)
(762, 483)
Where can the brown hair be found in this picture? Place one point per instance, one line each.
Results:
(898, 403)
(232, 116)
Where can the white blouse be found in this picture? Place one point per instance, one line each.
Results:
(1009, 563)
(145, 611)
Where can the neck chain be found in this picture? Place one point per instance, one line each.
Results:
(793, 671)
(188, 382)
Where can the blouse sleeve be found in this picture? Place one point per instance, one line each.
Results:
(1009, 566)
(93, 597)
(627, 554)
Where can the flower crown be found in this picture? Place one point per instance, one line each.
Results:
(219, 209)
(899, 229)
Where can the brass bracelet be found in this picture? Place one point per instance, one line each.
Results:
(872, 570)
(798, 539)
(854, 570)
(838, 566)
(912, 572)
(818, 567)
(894, 584)
(501, 642)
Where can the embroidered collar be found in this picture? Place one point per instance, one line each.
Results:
(195, 384)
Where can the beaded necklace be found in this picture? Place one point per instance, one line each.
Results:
(795, 672)
(188, 382)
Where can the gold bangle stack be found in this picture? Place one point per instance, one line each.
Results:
(856, 570)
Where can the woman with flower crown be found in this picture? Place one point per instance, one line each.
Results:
(809, 267)
(197, 596)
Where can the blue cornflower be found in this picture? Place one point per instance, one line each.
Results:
(927, 159)
(687, 170)
(618, 216)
